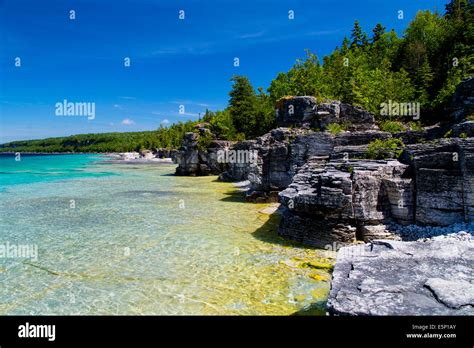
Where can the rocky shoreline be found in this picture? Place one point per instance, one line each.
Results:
(333, 194)
(424, 277)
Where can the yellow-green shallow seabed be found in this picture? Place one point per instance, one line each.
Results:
(126, 239)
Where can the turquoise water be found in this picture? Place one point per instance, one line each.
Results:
(135, 239)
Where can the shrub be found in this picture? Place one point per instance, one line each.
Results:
(204, 141)
(392, 126)
(415, 126)
(385, 149)
(335, 128)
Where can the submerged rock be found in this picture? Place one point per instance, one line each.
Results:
(426, 277)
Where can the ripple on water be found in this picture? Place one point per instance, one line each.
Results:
(142, 241)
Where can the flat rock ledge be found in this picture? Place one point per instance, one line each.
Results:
(386, 277)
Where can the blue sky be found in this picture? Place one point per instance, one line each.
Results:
(173, 62)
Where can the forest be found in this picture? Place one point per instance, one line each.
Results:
(423, 66)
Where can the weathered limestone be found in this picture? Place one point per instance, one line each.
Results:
(188, 156)
(195, 161)
(239, 171)
(305, 111)
(328, 191)
(444, 181)
(166, 153)
(353, 193)
(426, 277)
(462, 104)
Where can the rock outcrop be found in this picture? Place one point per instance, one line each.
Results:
(280, 153)
(434, 186)
(350, 199)
(425, 277)
(444, 181)
(195, 160)
(328, 189)
(166, 153)
(462, 104)
(306, 111)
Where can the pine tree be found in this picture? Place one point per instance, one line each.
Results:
(242, 106)
(345, 45)
(378, 31)
(359, 38)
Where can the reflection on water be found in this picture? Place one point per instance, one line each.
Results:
(141, 241)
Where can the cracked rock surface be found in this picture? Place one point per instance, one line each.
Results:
(425, 277)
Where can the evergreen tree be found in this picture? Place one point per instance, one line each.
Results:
(345, 45)
(378, 31)
(242, 106)
(358, 36)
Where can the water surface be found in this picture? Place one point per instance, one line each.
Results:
(135, 239)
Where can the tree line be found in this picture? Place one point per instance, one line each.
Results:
(424, 66)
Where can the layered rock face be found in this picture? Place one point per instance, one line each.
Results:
(238, 170)
(280, 153)
(306, 111)
(462, 104)
(349, 200)
(444, 180)
(329, 192)
(167, 153)
(435, 186)
(195, 161)
(426, 277)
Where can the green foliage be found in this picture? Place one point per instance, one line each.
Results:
(385, 149)
(424, 66)
(220, 124)
(204, 141)
(334, 128)
(242, 105)
(415, 126)
(359, 38)
(163, 137)
(448, 134)
(463, 135)
(252, 115)
(392, 126)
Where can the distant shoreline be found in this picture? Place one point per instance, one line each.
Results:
(114, 157)
(56, 153)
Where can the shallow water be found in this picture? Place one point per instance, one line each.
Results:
(135, 239)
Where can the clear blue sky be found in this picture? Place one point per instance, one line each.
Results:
(173, 61)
